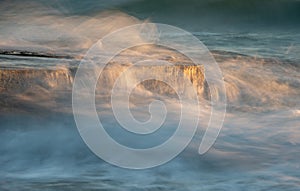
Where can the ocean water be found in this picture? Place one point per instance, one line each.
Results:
(255, 43)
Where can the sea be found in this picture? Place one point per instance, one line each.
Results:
(256, 44)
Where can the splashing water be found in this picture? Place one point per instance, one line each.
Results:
(258, 147)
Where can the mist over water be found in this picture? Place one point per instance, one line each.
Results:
(41, 44)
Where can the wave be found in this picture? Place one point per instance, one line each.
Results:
(280, 12)
(38, 30)
(52, 28)
(251, 83)
(255, 83)
(224, 13)
(42, 46)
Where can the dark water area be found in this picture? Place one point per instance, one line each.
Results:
(273, 12)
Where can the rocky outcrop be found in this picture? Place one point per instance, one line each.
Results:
(48, 81)
(20, 80)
